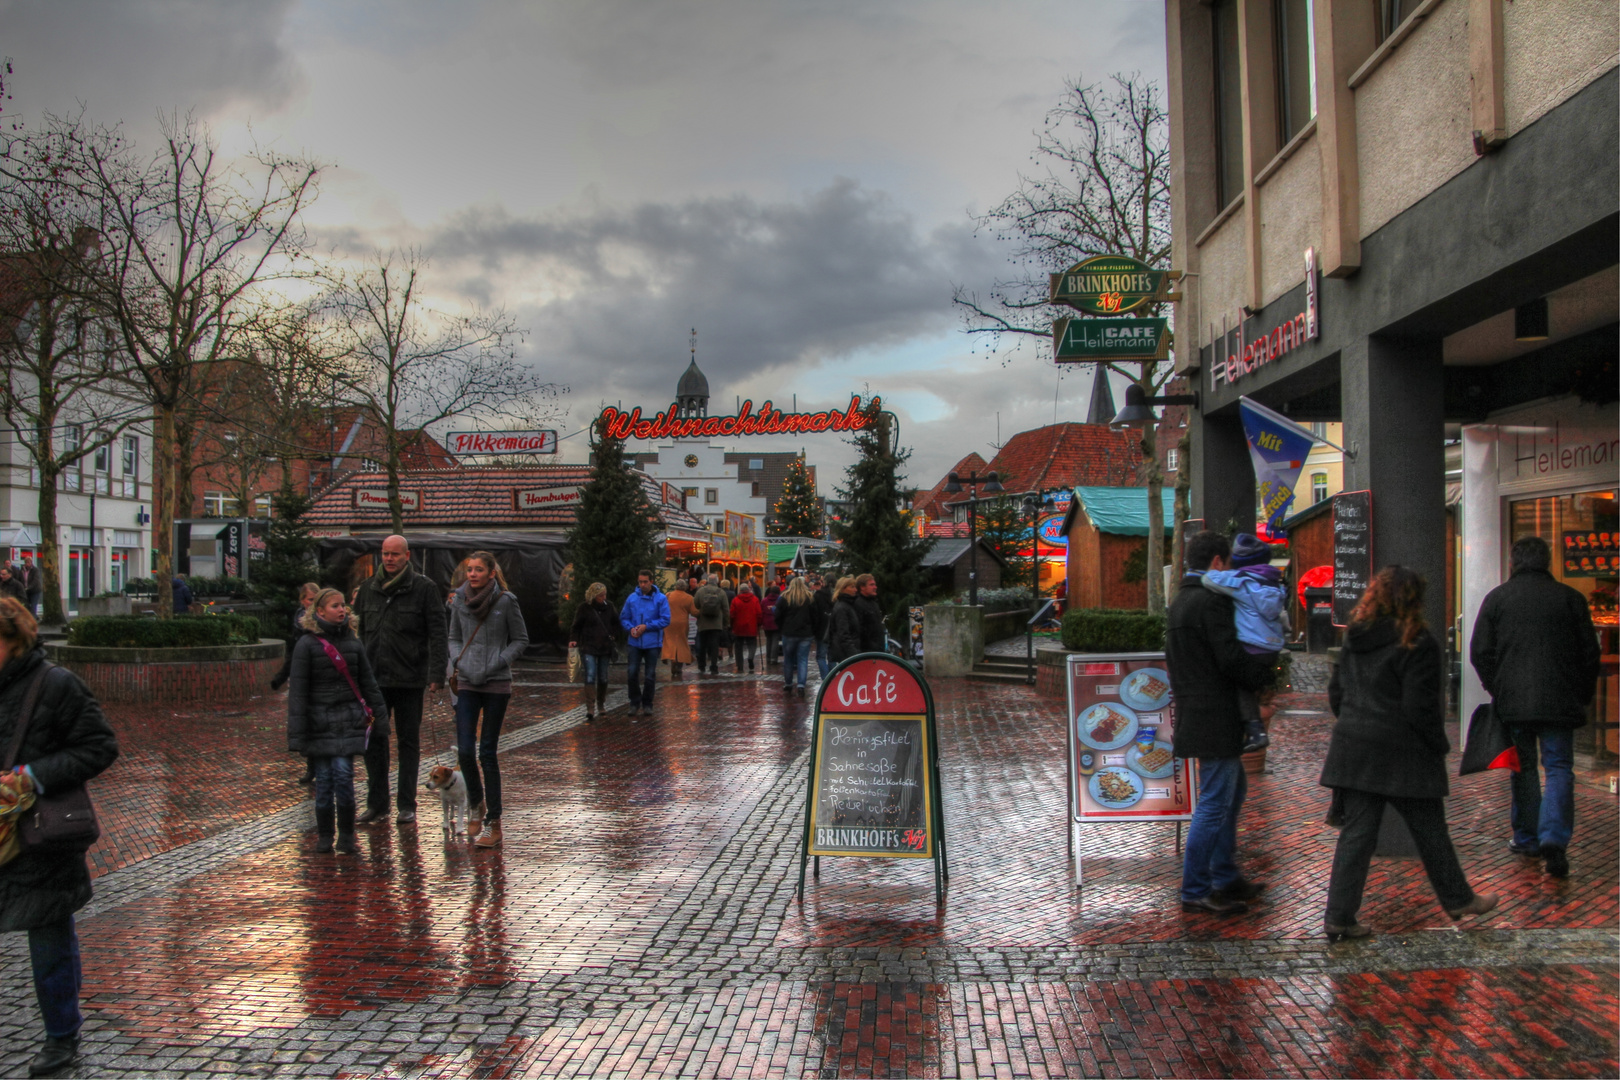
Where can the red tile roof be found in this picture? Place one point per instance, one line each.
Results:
(479, 498)
(1069, 455)
(931, 503)
(940, 530)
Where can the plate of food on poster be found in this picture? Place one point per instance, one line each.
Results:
(1116, 788)
(1106, 725)
(1146, 689)
(1154, 759)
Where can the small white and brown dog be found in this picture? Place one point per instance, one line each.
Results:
(451, 788)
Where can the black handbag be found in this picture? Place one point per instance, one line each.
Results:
(1489, 745)
(63, 820)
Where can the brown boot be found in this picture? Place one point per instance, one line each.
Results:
(475, 821)
(491, 837)
(674, 672)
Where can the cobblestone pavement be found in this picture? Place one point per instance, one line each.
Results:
(640, 921)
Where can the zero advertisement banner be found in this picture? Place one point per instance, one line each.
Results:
(1121, 718)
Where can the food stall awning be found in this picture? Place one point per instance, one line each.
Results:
(690, 536)
(776, 554)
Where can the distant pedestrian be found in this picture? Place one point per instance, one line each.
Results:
(10, 586)
(183, 599)
(844, 629)
(645, 615)
(595, 633)
(745, 619)
(1208, 667)
(713, 617)
(332, 703)
(1389, 746)
(728, 640)
(824, 606)
(1261, 601)
(677, 650)
(67, 742)
(402, 624)
(306, 597)
(486, 634)
(796, 613)
(34, 585)
(874, 632)
(767, 623)
(1537, 655)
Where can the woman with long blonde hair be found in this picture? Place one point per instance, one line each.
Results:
(801, 625)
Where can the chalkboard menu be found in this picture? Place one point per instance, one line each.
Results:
(1352, 552)
(874, 767)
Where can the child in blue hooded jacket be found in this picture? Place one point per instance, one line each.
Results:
(1257, 590)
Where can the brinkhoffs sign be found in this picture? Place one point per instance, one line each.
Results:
(768, 421)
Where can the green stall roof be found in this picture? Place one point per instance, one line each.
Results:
(781, 553)
(1123, 511)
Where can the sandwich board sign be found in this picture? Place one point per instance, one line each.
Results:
(1122, 765)
(874, 768)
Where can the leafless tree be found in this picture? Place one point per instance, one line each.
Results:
(1100, 186)
(413, 366)
(188, 241)
(62, 389)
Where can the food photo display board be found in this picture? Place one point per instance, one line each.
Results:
(1121, 766)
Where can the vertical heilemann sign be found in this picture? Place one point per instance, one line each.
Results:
(874, 767)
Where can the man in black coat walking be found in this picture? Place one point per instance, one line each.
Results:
(874, 633)
(1537, 655)
(402, 625)
(1208, 666)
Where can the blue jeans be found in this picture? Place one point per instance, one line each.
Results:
(334, 782)
(643, 670)
(823, 662)
(54, 949)
(1208, 864)
(1545, 817)
(596, 668)
(482, 786)
(795, 658)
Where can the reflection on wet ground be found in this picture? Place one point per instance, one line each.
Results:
(639, 919)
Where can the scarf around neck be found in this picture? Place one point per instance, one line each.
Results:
(391, 584)
(480, 601)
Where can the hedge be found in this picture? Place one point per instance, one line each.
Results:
(1105, 630)
(145, 632)
(998, 600)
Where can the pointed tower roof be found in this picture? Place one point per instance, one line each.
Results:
(694, 384)
(1102, 399)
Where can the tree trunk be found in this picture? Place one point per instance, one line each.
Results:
(163, 468)
(396, 510)
(50, 552)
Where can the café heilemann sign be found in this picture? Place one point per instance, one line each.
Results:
(1111, 286)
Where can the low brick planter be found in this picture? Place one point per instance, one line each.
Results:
(150, 676)
(1051, 671)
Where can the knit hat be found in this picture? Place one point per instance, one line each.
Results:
(1249, 551)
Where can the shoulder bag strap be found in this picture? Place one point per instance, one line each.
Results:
(471, 638)
(343, 669)
(25, 715)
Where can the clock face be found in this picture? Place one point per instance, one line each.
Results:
(691, 461)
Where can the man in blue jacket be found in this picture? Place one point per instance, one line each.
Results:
(644, 615)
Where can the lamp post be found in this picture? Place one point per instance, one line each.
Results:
(1033, 503)
(1138, 410)
(992, 485)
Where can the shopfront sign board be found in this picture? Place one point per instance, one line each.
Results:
(377, 499)
(1352, 552)
(1110, 285)
(1121, 724)
(463, 443)
(1590, 553)
(541, 498)
(874, 767)
(1083, 340)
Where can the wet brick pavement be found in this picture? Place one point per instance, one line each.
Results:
(639, 920)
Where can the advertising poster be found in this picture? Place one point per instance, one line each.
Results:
(1120, 721)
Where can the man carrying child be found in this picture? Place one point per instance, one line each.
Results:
(1261, 599)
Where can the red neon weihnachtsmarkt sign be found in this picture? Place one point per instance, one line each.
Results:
(768, 421)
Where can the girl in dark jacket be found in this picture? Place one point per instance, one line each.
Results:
(1389, 746)
(844, 628)
(327, 720)
(67, 742)
(796, 614)
(595, 632)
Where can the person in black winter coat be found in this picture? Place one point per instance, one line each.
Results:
(1208, 666)
(596, 633)
(874, 633)
(67, 742)
(799, 621)
(306, 597)
(1389, 746)
(1536, 653)
(844, 628)
(327, 721)
(824, 606)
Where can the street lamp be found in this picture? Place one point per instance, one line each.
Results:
(1033, 505)
(1138, 410)
(992, 485)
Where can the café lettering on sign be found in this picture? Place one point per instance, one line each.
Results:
(1246, 357)
(501, 442)
(377, 499)
(1110, 285)
(769, 420)
(1110, 339)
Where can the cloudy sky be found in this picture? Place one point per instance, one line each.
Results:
(796, 179)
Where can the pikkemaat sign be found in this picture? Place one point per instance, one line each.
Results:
(462, 443)
(874, 767)
(769, 420)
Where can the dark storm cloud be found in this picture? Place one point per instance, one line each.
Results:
(146, 55)
(772, 287)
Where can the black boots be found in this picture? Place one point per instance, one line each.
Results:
(55, 1055)
(345, 828)
(601, 696)
(324, 829)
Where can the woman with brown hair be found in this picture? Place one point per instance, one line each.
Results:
(486, 634)
(595, 633)
(1389, 746)
(676, 648)
(66, 742)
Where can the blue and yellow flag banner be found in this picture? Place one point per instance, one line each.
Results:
(1277, 446)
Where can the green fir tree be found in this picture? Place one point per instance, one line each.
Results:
(1004, 528)
(878, 537)
(798, 511)
(612, 537)
(289, 562)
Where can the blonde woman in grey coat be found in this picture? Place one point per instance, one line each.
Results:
(486, 634)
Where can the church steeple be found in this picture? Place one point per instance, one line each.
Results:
(692, 392)
(1102, 399)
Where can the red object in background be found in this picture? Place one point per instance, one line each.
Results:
(1263, 533)
(1318, 577)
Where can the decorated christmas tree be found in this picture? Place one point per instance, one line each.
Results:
(612, 537)
(878, 537)
(1004, 528)
(797, 512)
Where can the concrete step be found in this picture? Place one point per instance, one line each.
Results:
(1019, 677)
(1003, 663)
